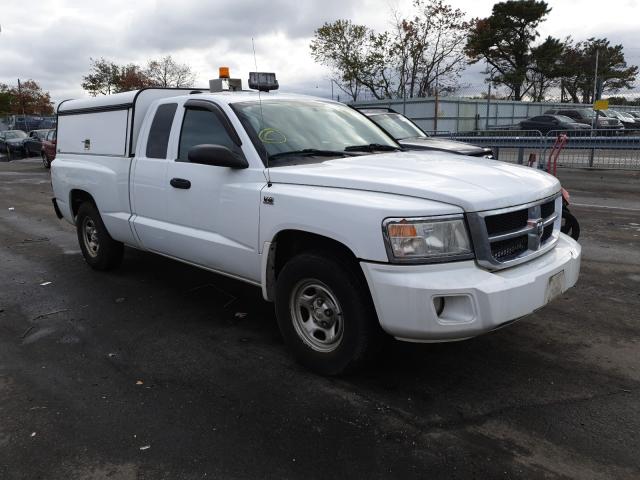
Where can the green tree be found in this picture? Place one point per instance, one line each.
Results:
(5, 99)
(504, 40)
(546, 67)
(579, 60)
(102, 78)
(356, 55)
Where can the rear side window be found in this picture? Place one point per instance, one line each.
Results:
(160, 130)
(202, 127)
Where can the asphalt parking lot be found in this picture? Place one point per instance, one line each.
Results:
(162, 371)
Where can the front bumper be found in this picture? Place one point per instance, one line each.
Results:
(475, 300)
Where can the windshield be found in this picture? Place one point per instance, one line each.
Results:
(283, 126)
(398, 126)
(625, 115)
(15, 134)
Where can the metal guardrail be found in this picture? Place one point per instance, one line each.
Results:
(584, 149)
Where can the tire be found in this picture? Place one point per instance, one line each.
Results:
(100, 251)
(570, 225)
(340, 297)
(45, 160)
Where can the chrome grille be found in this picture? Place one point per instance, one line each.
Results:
(507, 237)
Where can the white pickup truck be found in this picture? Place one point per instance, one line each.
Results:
(308, 199)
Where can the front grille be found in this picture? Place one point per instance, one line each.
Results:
(505, 250)
(547, 209)
(505, 222)
(510, 236)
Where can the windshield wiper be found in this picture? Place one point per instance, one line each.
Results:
(371, 147)
(309, 152)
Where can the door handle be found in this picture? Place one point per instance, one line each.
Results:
(180, 183)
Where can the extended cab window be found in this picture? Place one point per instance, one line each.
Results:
(202, 127)
(160, 130)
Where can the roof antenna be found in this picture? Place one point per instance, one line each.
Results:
(255, 62)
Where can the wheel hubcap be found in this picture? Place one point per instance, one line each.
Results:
(90, 236)
(317, 315)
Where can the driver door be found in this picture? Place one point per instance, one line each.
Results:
(212, 211)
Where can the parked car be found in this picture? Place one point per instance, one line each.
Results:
(49, 148)
(628, 122)
(306, 199)
(635, 115)
(587, 117)
(33, 143)
(547, 123)
(412, 137)
(11, 143)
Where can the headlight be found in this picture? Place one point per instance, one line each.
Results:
(425, 240)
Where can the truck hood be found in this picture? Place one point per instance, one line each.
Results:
(474, 184)
(444, 145)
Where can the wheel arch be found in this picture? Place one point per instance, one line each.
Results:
(77, 197)
(290, 242)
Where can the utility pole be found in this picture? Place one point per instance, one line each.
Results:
(435, 118)
(24, 117)
(595, 78)
(486, 124)
(595, 92)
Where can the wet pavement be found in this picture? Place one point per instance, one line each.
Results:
(159, 370)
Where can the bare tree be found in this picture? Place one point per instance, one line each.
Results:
(430, 48)
(166, 72)
(423, 50)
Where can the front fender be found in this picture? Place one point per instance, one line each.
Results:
(351, 217)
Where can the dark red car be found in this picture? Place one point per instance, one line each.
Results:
(49, 148)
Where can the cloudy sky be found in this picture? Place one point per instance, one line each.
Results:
(51, 40)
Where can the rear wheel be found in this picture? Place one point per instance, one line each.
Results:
(100, 251)
(325, 313)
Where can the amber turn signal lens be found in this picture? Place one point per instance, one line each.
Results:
(402, 230)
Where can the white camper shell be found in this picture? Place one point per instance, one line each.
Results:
(115, 131)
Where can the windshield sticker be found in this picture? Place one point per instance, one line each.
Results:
(271, 135)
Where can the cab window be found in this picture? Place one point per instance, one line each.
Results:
(199, 127)
(160, 130)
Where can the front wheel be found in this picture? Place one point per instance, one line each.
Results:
(325, 313)
(100, 251)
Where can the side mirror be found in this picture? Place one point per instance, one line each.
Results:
(216, 155)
